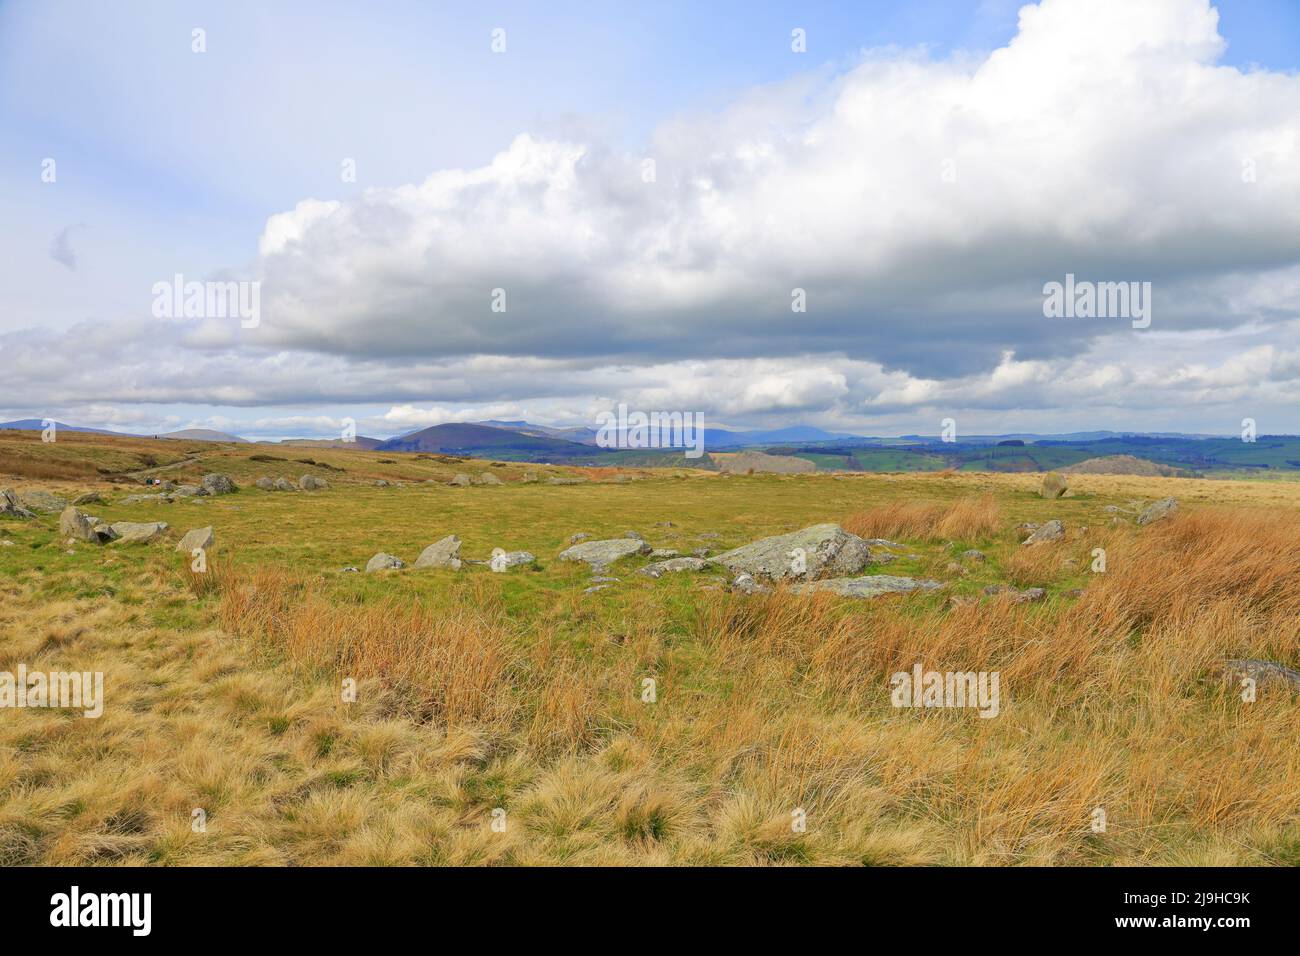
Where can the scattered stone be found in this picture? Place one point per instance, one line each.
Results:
(1027, 526)
(1052, 531)
(137, 532)
(530, 477)
(709, 536)
(1016, 595)
(89, 498)
(284, 484)
(381, 483)
(594, 588)
(503, 560)
(701, 552)
(186, 491)
(1053, 486)
(1074, 593)
(873, 585)
(441, 554)
(137, 499)
(218, 484)
(350, 570)
(487, 478)
(663, 554)
(266, 484)
(77, 526)
(384, 562)
(197, 538)
(673, 565)
(600, 554)
(745, 584)
(312, 483)
(634, 534)
(578, 538)
(1262, 672)
(461, 481)
(825, 549)
(664, 524)
(565, 481)
(603, 579)
(974, 555)
(1160, 509)
(43, 501)
(11, 505)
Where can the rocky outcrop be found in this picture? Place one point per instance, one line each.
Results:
(823, 549)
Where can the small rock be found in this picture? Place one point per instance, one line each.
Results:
(1160, 509)
(136, 532)
(974, 555)
(633, 534)
(745, 584)
(284, 484)
(503, 560)
(663, 554)
(461, 481)
(384, 562)
(381, 483)
(266, 484)
(673, 565)
(578, 538)
(89, 498)
(594, 588)
(487, 478)
(1052, 531)
(1262, 672)
(1016, 595)
(312, 483)
(197, 538)
(870, 586)
(350, 570)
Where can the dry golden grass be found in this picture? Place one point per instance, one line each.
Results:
(764, 706)
(969, 518)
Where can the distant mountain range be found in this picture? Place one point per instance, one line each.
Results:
(828, 451)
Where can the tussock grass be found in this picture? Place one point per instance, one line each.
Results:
(479, 692)
(967, 519)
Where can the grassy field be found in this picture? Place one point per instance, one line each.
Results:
(519, 698)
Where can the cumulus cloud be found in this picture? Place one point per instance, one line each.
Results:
(920, 206)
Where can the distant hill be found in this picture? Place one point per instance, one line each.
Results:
(361, 443)
(463, 438)
(1123, 465)
(34, 424)
(202, 434)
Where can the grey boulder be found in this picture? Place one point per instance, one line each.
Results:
(138, 532)
(198, 538)
(218, 484)
(599, 554)
(1052, 531)
(823, 549)
(384, 562)
(1160, 509)
(312, 483)
(441, 554)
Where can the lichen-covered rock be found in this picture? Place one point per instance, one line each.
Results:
(384, 562)
(138, 532)
(444, 553)
(1053, 485)
(218, 484)
(1158, 510)
(599, 554)
(43, 501)
(198, 538)
(312, 483)
(870, 586)
(823, 549)
(11, 505)
(1051, 531)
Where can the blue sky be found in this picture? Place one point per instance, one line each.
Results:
(169, 161)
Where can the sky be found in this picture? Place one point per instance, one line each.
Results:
(843, 215)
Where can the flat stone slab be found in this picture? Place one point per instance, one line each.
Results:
(873, 585)
(808, 553)
(599, 554)
(673, 565)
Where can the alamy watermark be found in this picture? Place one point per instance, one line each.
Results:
(1098, 300)
(651, 430)
(74, 690)
(978, 689)
(179, 299)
